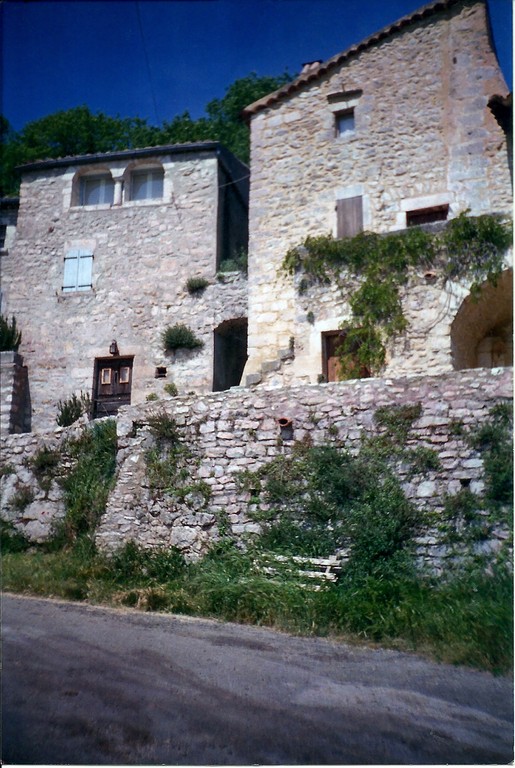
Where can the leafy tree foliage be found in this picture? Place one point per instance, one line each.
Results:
(79, 131)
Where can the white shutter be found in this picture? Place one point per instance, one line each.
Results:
(71, 261)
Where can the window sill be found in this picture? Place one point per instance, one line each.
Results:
(85, 293)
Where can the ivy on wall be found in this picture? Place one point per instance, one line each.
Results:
(469, 247)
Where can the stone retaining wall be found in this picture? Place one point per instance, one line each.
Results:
(238, 430)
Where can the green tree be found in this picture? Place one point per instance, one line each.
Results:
(79, 131)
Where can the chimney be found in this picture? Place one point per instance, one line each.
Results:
(310, 66)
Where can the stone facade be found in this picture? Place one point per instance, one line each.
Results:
(239, 430)
(421, 137)
(130, 260)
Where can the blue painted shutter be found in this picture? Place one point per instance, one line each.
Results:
(71, 261)
(85, 270)
(78, 270)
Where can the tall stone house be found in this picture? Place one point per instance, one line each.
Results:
(105, 246)
(406, 128)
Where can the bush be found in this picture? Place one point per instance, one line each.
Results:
(238, 262)
(69, 411)
(171, 389)
(196, 285)
(180, 337)
(10, 336)
(12, 540)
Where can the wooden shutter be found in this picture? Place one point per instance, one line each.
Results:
(349, 216)
(78, 268)
(71, 261)
(85, 270)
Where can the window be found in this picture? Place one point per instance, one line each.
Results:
(427, 215)
(3, 233)
(78, 268)
(105, 376)
(97, 190)
(147, 184)
(349, 216)
(344, 122)
(125, 374)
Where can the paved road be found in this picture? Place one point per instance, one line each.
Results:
(97, 686)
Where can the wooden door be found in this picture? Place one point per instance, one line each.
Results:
(113, 382)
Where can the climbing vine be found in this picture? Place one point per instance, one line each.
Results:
(471, 247)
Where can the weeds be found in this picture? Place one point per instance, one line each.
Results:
(69, 411)
(10, 336)
(21, 498)
(87, 485)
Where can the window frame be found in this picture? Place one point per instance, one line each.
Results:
(107, 182)
(432, 214)
(153, 174)
(344, 114)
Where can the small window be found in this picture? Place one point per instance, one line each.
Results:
(349, 216)
(105, 376)
(344, 122)
(3, 233)
(125, 374)
(147, 185)
(427, 215)
(97, 190)
(78, 269)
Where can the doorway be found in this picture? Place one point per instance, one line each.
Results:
(332, 342)
(112, 385)
(230, 353)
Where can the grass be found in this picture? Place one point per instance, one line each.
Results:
(464, 619)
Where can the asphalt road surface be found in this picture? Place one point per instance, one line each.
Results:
(89, 685)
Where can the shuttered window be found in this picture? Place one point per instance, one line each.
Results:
(349, 216)
(78, 270)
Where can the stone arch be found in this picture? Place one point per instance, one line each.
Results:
(230, 353)
(90, 173)
(482, 331)
(151, 173)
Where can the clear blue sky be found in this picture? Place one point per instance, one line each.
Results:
(157, 58)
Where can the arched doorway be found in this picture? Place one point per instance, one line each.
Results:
(482, 331)
(230, 353)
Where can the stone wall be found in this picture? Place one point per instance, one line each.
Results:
(238, 430)
(424, 136)
(143, 254)
(14, 394)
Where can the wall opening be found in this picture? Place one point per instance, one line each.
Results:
(331, 365)
(230, 353)
(482, 331)
(112, 384)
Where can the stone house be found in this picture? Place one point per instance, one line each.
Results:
(403, 129)
(105, 246)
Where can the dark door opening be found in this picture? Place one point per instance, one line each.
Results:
(230, 353)
(332, 342)
(112, 385)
